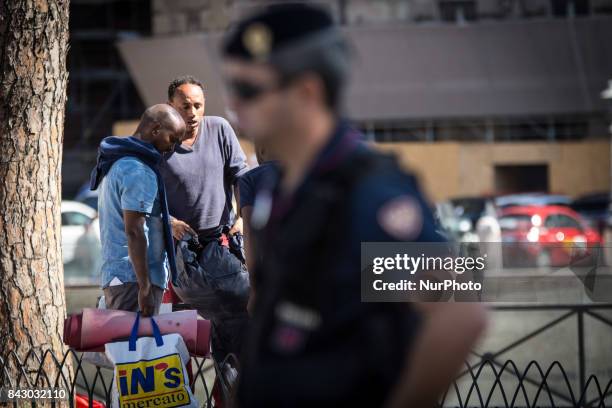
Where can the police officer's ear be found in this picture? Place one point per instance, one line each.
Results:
(310, 89)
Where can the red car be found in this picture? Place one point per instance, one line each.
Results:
(550, 235)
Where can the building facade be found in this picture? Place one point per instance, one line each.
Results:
(472, 94)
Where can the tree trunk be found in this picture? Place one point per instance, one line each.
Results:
(33, 78)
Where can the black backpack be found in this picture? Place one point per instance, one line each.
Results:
(213, 277)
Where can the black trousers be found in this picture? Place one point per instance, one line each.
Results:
(227, 336)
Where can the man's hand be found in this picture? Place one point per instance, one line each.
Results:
(146, 300)
(237, 227)
(180, 228)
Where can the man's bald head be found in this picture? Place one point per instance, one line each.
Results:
(164, 114)
(161, 126)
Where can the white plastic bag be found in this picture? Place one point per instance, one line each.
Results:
(150, 371)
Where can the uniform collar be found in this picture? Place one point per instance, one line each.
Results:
(343, 141)
(341, 144)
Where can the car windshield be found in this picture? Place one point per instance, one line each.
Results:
(561, 221)
(73, 218)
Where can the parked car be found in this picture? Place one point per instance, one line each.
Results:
(453, 224)
(82, 274)
(537, 199)
(550, 235)
(75, 218)
(85, 268)
(469, 208)
(87, 196)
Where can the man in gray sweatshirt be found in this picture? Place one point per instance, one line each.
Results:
(201, 176)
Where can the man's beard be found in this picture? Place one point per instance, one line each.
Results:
(194, 132)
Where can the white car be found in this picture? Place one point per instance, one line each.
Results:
(85, 268)
(75, 219)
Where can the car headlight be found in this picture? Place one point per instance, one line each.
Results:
(533, 235)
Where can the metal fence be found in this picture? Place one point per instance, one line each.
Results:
(487, 380)
(490, 381)
(93, 382)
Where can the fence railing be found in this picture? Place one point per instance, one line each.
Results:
(489, 383)
(530, 387)
(536, 385)
(568, 312)
(487, 380)
(93, 382)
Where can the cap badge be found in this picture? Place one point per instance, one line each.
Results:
(257, 39)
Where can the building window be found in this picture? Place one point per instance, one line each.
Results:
(547, 128)
(458, 11)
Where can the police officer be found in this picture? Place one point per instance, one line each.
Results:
(312, 341)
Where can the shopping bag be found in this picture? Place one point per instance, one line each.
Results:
(150, 371)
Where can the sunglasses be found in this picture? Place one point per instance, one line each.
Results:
(247, 91)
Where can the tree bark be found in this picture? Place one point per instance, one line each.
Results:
(33, 79)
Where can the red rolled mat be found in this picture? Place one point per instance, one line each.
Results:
(92, 329)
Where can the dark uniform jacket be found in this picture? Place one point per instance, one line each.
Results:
(313, 342)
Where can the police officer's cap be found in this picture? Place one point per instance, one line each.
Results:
(275, 28)
(294, 38)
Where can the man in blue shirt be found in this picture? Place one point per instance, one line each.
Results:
(134, 227)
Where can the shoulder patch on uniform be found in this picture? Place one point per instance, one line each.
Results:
(401, 217)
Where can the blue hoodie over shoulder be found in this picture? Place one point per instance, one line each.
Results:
(114, 148)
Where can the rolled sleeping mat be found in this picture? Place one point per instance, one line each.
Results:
(93, 328)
